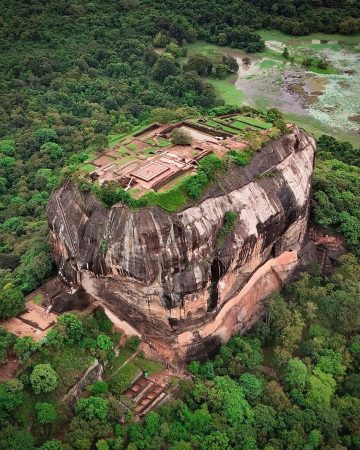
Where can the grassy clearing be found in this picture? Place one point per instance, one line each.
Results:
(123, 150)
(130, 370)
(148, 365)
(132, 146)
(88, 167)
(114, 139)
(240, 125)
(117, 362)
(124, 160)
(227, 91)
(38, 298)
(267, 63)
(256, 122)
(273, 35)
(163, 142)
(171, 200)
(91, 156)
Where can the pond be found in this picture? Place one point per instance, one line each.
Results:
(321, 100)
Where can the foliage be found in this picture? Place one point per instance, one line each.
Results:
(72, 327)
(98, 388)
(227, 227)
(240, 158)
(337, 188)
(11, 302)
(25, 346)
(46, 412)
(43, 378)
(6, 341)
(92, 408)
(133, 343)
(11, 396)
(180, 137)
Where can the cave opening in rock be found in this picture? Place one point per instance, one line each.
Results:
(217, 272)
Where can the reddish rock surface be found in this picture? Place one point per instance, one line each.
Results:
(167, 275)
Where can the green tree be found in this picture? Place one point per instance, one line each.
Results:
(92, 408)
(6, 340)
(25, 346)
(12, 302)
(98, 388)
(11, 396)
(252, 385)
(43, 378)
(320, 389)
(180, 137)
(164, 67)
(54, 444)
(296, 374)
(72, 327)
(46, 413)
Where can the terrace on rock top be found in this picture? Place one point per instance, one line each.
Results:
(148, 160)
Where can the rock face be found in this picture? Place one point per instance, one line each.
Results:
(169, 275)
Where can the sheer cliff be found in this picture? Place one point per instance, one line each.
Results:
(169, 275)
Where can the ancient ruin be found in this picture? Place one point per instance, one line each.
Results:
(167, 274)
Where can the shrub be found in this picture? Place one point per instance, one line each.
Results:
(211, 164)
(103, 342)
(92, 408)
(196, 185)
(54, 444)
(6, 340)
(25, 346)
(240, 158)
(104, 323)
(180, 137)
(73, 327)
(120, 383)
(227, 227)
(11, 395)
(12, 302)
(133, 343)
(102, 445)
(43, 378)
(46, 412)
(98, 388)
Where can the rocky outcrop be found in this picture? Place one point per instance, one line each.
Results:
(167, 274)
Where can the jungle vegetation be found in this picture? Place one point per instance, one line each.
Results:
(74, 74)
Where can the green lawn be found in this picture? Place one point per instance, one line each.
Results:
(123, 150)
(163, 142)
(268, 63)
(273, 35)
(240, 125)
(124, 160)
(148, 365)
(38, 298)
(132, 146)
(227, 91)
(130, 370)
(114, 139)
(88, 167)
(117, 362)
(256, 122)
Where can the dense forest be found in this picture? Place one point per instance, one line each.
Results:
(72, 74)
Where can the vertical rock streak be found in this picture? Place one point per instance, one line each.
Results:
(166, 274)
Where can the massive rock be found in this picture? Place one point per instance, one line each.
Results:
(167, 274)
